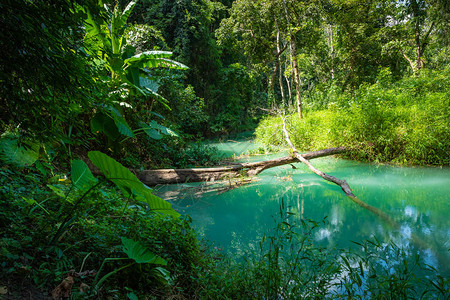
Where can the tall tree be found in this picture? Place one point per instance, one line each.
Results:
(420, 19)
(269, 32)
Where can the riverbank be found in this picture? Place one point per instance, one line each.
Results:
(104, 227)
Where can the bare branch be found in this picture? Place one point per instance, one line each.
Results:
(342, 183)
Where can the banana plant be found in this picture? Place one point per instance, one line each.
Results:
(104, 41)
(130, 72)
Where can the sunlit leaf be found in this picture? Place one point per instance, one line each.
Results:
(129, 183)
(154, 59)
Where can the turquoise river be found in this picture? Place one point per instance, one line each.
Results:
(416, 198)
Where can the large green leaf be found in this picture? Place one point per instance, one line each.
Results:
(126, 13)
(153, 133)
(19, 155)
(81, 176)
(132, 75)
(121, 123)
(129, 183)
(118, 21)
(164, 130)
(154, 54)
(154, 59)
(96, 40)
(148, 87)
(156, 131)
(140, 253)
(101, 122)
(164, 63)
(146, 82)
(111, 124)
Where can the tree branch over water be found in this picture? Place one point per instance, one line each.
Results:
(342, 183)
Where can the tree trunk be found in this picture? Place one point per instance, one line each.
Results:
(280, 77)
(272, 83)
(420, 41)
(169, 176)
(291, 84)
(297, 85)
(294, 63)
(289, 101)
(278, 53)
(418, 50)
(329, 31)
(411, 63)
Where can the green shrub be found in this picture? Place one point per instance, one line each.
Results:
(406, 122)
(46, 236)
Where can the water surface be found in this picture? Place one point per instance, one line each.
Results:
(415, 198)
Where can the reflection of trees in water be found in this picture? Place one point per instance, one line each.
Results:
(419, 210)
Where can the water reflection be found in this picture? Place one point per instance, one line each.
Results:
(415, 198)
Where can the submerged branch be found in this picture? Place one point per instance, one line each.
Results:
(348, 192)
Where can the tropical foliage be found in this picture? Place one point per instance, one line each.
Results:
(90, 88)
(405, 123)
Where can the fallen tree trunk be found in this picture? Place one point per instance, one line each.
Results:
(169, 176)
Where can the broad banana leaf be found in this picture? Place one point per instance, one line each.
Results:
(120, 19)
(97, 41)
(154, 59)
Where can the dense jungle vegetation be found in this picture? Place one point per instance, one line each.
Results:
(119, 84)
